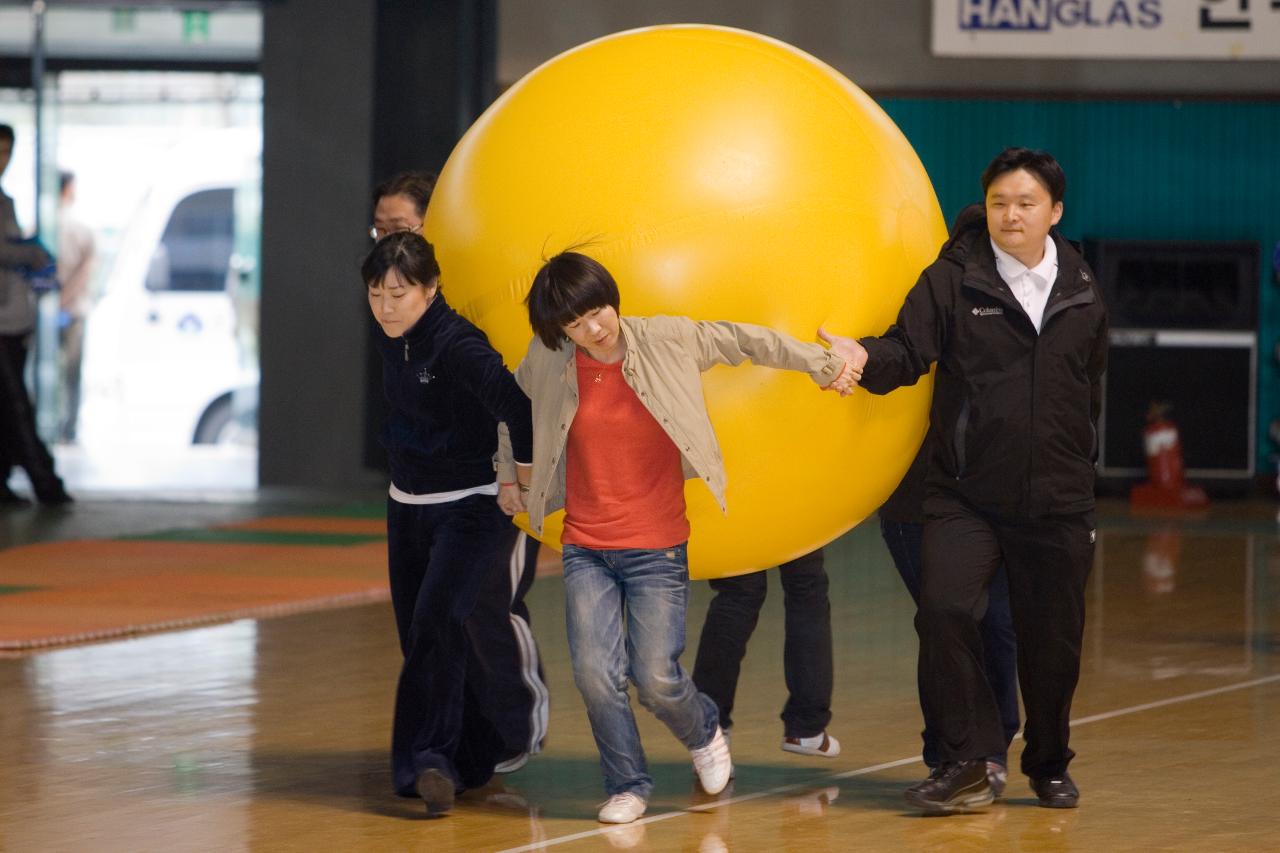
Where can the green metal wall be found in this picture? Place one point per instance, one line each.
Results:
(1142, 170)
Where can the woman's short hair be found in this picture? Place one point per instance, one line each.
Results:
(415, 185)
(568, 286)
(1040, 165)
(406, 252)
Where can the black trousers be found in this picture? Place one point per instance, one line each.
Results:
(1048, 561)
(470, 692)
(806, 653)
(504, 670)
(19, 442)
(999, 643)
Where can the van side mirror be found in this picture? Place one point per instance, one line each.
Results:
(158, 269)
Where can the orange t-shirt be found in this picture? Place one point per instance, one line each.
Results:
(624, 484)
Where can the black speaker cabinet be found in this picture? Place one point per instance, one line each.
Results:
(1208, 378)
(1178, 284)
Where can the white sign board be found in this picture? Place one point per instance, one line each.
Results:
(136, 33)
(1108, 29)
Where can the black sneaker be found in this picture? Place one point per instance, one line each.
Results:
(51, 493)
(957, 786)
(1056, 792)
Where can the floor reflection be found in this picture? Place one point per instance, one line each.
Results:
(1168, 604)
(155, 726)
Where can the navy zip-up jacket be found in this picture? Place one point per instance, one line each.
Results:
(447, 388)
(1014, 414)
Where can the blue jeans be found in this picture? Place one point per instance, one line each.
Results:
(625, 611)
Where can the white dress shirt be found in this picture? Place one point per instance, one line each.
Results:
(1030, 285)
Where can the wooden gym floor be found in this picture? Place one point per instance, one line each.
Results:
(272, 735)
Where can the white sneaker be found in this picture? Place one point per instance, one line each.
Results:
(511, 765)
(712, 843)
(997, 777)
(728, 742)
(821, 744)
(624, 836)
(713, 764)
(621, 808)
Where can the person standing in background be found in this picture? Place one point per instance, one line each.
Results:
(806, 653)
(76, 256)
(19, 442)
(400, 203)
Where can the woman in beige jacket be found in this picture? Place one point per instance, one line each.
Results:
(619, 425)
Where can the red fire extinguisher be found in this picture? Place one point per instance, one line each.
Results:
(1163, 448)
(1166, 486)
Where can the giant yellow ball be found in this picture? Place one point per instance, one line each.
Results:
(721, 175)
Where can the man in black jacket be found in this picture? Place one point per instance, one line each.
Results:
(1012, 316)
(20, 444)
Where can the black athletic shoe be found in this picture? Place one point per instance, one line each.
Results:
(51, 493)
(1057, 792)
(436, 790)
(56, 499)
(957, 786)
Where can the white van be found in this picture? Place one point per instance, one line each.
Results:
(170, 348)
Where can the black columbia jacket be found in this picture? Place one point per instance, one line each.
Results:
(1014, 415)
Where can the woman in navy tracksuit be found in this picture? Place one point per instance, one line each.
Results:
(447, 537)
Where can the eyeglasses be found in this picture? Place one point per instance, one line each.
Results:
(377, 233)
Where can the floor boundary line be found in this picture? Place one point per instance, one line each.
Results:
(1174, 700)
(875, 768)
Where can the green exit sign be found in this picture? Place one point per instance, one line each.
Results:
(195, 25)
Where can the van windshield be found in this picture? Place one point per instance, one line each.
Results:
(195, 251)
